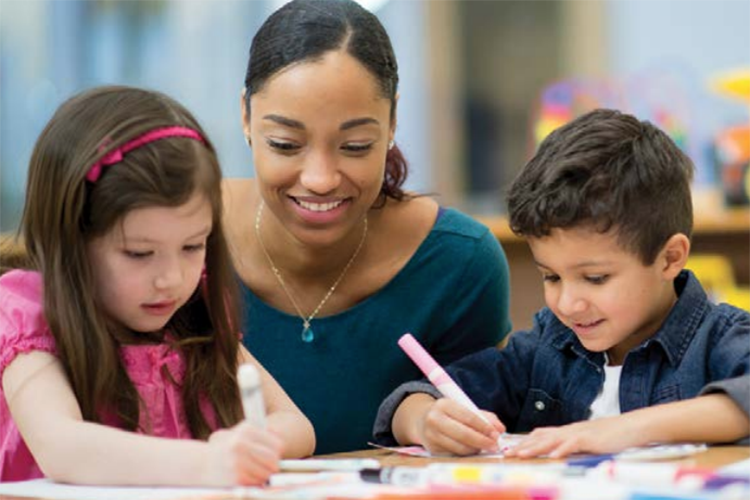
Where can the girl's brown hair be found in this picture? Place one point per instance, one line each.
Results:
(64, 211)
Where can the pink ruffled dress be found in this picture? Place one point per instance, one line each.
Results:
(23, 329)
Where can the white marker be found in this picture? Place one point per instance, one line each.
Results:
(248, 379)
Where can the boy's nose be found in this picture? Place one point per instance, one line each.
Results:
(570, 303)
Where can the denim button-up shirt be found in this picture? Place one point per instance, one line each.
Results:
(545, 377)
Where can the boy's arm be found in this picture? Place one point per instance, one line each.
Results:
(737, 389)
(415, 413)
(69, 449)
(444, 425)
(284, 417)
(384, 431)
(713, 418)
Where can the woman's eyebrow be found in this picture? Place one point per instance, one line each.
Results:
(357, 122)
(287, 122)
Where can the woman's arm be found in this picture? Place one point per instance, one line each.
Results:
(68, 449)
(284, 417)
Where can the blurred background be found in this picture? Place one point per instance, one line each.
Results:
(482, 82)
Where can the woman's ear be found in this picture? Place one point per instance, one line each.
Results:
(245, 116)
(674, 255)
(394, 119)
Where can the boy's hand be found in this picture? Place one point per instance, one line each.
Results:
(242, 455)
(448, 427)
(604, 435)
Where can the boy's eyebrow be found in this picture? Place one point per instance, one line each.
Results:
(589, 263)
(296, 124)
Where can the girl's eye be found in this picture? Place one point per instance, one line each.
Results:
(597, 280)
(282, 146)
(551, 278)
(133, 254)
(195, 248)
(357, 147)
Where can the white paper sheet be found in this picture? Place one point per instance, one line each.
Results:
(44, 488)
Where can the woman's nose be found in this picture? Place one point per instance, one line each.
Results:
(320, 174)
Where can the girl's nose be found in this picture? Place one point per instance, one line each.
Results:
(169, 274)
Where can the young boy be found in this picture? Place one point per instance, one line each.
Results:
(628, 351)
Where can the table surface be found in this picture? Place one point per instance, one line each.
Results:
(714, 457)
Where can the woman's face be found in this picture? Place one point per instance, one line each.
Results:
(319, 132)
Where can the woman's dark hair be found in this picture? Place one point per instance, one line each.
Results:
(305, 30)
(609, 170)
(64, 211)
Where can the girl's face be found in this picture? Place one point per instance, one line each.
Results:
(149, 265)
(320, 132)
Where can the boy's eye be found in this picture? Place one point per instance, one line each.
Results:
(283, 146)
(598, 279)
(551, 278)
(357, 147)
(135, 254)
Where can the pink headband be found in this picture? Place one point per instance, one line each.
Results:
(115, 156)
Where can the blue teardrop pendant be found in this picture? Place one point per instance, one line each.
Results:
(307, 333)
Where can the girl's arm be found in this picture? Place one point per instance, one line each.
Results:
(68, 449)
(284, 417)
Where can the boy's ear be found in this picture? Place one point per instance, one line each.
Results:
(674, 255)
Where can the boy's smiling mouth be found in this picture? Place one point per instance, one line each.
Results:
(583, 328)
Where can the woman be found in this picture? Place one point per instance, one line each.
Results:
(336, 260)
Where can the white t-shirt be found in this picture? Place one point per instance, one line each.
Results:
(607, 402)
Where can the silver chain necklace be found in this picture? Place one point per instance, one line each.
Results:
(307, 332)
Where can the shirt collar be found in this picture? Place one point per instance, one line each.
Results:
(677, 331)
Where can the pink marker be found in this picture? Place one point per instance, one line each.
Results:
(436, 374)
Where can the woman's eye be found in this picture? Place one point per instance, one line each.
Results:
(597, 280)
(357, 147)
(282, 145)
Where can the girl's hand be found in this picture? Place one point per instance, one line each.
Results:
(604, 435)
(448, 427)
(242, 455)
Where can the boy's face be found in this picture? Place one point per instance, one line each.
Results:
(602, 292)
(149, 265)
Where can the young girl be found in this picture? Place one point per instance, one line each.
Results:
(125, 334)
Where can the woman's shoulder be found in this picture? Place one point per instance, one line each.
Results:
(399, 229)
(23, 327)
(237, 193)
(454, 221)
(238, 198)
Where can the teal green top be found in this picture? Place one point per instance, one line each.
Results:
(452, 295)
